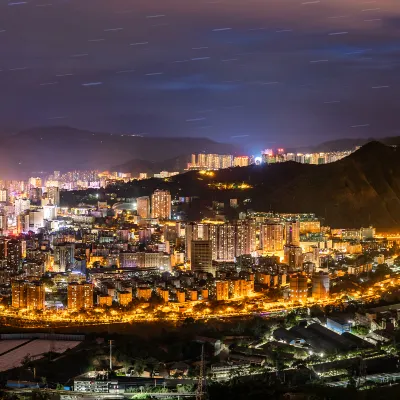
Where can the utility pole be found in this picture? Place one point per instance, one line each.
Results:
(201, 392)
(111, 341)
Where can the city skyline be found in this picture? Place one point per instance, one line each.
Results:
(249, 73)
(97, 259)
(199, 199)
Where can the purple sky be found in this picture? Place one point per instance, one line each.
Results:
(256, 72)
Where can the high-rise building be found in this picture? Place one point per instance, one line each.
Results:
(36, 219)
(18, 293)
(221, 290)
(21, 205)
(241, 161)
(213, 161)
(310, 226)
(145, 260)
(3, 196)
(49, 212)
(293, 256)
(292, 232)
(213, 236)
(124, 297)
(143, 293)
(3, 249)
(64, 257)
(35, 195)
(144, 235)
(104, 300)
(80, 296)
(164, 294)
(161, 204)
(367, 233)
(195, 231)
(226, 161)
(35, 296)
(298, 287)
(238, 288)
(172, 232)
(226, 242)
(201, 160)
(23, 222)
(290, 157)
(272, 238)
(33, 269)
(35, 182)
(3, 222)
(245, 240)
(143, 207)
(30, 295)
(320, 286)
(193, 295)
(11, 250)
(201, 253)
(53, 194)
(180, 296)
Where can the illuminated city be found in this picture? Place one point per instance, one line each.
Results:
(136, 261)
(199, 200)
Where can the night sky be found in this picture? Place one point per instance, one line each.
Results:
(264, 73)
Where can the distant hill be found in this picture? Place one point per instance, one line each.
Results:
(359, 190)
(64, 148)
(344, 144)
(176, 164)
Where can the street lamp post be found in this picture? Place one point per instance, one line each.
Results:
(111, 341)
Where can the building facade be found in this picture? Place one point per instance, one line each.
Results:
(80, 296)
(161, 204)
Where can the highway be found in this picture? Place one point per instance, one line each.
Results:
(257, 305)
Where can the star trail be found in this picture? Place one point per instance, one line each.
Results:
(289, 72)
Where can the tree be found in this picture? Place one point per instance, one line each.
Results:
(360, 330)
(39, 395)
(275, 294)
(26, 360)
(328, 309)
(188, 321)
(382, 270)
(185, 388)
(155, 300)
(160, 314)
(200, 307)
(316, 310)
(139, 366)
(352, 383)
(291, 319)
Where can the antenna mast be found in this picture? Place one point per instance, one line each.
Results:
(201, 391)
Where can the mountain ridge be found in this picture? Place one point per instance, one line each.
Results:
(65, 149)
(360, 190)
